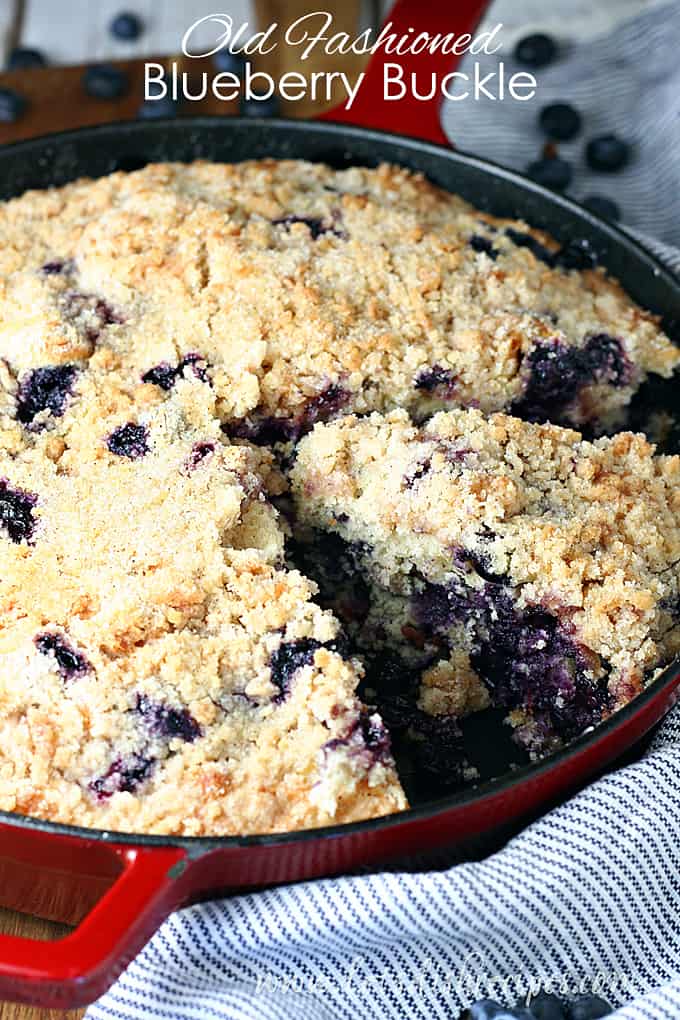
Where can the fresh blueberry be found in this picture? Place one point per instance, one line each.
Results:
(124, 775)
(225, 60)
(487, 1009)
(45, 389)
(155, 109)
(126, 26)
(536, 50)
(164, 721)
(576, 254)
(71, 664)
(129, 440)
(588, 1007)
(555, 174)
(103, 81)
(607, 153)
(16, 512)
(483, 245)
(12, 105)
(259, 106)
(602, 206)
(23, 58)
(546, 1006)
(560, 121)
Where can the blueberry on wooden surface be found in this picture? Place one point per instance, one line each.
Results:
(603, 206)
(155, 109)
(560, 121)
(537, 50)
(12, 106)
(103, 81)
(555, 174)
(24, 58)
(126, 26)
(259, 106)
(225, 60)
(607, 153)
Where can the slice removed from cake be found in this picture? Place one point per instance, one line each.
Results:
(505, 562)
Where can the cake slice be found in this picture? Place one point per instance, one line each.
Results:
(160, 669)
(502, 562)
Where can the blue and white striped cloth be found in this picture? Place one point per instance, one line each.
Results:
(586, 899)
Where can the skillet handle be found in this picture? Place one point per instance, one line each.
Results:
(411, 116)
(75, 970)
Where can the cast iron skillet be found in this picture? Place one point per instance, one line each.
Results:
(124, 885)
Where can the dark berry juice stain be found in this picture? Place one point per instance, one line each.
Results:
(556, 373)
(166, 375)
(129, 440)
(266, 431)
(16, 512)
(368, 737)
(524, 656)
(71, 663)
(336, 566)
(166, 722)
(45, 389)
(437, 380)
(124, 775)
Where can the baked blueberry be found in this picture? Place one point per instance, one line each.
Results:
(523, 240)
(25, 58)
(576, 254)
(16, 512)
(104, 81)
(607, 153)
(124, 775)
(316, 226)
(126, 26)
(56, 266)
(555, 173)
(45, 389)
(536, 50)
(199, 452)
(437, 380)
(71, 663)
(129, 440)
(166, 375)
(560, 121)
(603, 206)
(165, 721)
(483, 245)
(287, 659)
(12, 105)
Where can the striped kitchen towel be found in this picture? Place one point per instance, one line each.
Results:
(585, 899)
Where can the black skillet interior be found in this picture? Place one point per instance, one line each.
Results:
(93, 152)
